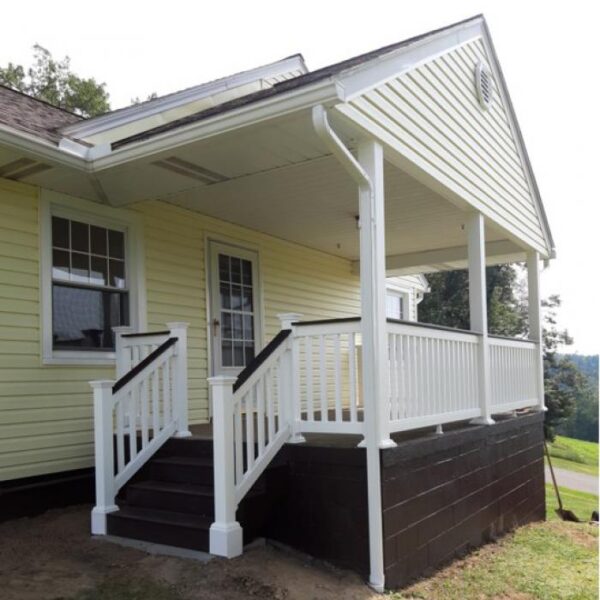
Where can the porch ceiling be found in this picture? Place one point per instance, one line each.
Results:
(277, 177)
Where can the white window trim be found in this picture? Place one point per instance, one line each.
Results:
(53, 203)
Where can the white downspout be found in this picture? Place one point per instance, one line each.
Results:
(356, 171)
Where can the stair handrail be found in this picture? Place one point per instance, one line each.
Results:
(150, 399)
(243, 446)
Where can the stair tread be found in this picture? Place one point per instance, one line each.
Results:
(165, 517)
(195, 489)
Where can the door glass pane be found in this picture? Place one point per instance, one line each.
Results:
(237, 310)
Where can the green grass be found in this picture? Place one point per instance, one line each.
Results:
(545, 561)
(581, 503)
(574, 455)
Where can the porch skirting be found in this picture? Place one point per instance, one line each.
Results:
(442, 495)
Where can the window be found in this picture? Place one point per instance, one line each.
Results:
(89, 285)
(92, 278)
(395, 305)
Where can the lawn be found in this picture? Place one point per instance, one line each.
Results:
(546, 561)
(580, 503)
(575, 455)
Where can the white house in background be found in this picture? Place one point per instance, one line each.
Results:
(265, 218)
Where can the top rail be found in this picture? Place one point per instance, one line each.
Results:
(121, 383)
(260, 358)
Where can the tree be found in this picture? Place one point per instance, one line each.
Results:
(52, 81)
(448, 301)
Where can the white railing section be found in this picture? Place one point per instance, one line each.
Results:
(326, 359)
(513, 374)
(251, 422)
(432, 376)
(136, 414)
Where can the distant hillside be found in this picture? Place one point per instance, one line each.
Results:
(583, 423)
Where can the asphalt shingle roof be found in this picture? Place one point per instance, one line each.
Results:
(36, 117)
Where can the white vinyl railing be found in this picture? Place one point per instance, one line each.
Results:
(327, 377)
(136, 414)
(513, 374)
(433, 376)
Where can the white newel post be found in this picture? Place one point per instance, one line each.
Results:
(535, 320)
(122, 357)
(180, 377)
(104, 455)
(478, 310)
(374, 343)
(290, 377)
(225, 537)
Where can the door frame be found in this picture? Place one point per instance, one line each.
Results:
(212, 240)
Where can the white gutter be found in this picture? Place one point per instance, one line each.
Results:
(355, 170)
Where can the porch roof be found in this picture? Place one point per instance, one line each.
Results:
(257, 162)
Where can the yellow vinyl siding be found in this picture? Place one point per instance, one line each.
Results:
(432, 116)
(46, 410)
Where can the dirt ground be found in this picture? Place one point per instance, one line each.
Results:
(53, 557)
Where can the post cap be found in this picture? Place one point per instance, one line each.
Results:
(287, 319)
(222, 380)
(101, 384)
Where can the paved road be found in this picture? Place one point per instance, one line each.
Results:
(574, 480)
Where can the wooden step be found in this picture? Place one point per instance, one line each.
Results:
(173, 496)
(180, 469)
(189, 446)
(160, 527)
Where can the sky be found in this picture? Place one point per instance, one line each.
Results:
(548, 52)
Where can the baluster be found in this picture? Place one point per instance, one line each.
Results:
(120, 418)
(337, 364)
(310, 401)
(239, 442)
(393, 375)
(352, 376)
(144, 416)
(260, 415)
(155, 409)
(166, 381)
(132, 425)
(249, 430)
(270, 410)
(323, 379)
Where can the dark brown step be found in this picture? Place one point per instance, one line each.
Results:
(174, 496)
(180, 469)
(160, 527)
(189, 446)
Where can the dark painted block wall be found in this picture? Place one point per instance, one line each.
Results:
(321, 506)
(444, 495)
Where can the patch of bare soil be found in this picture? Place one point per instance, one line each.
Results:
(53, 557)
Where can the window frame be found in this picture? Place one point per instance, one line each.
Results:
(404, 295)
(53, 204)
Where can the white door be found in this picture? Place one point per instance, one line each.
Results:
(235, 326)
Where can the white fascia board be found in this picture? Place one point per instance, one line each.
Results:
(322, 92)
(371, 74)
(122, 117)
(42, 149)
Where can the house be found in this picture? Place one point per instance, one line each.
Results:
(222, 252)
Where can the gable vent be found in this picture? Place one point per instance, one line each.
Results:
(484, 85)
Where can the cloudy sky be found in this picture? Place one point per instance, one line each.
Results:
(548, 52)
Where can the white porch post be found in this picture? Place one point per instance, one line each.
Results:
(122, 359)
(180, 377)
(225, 535)
(478, 309)
(103, 455)
(535, 319)
(291, 379)
(374, 343)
